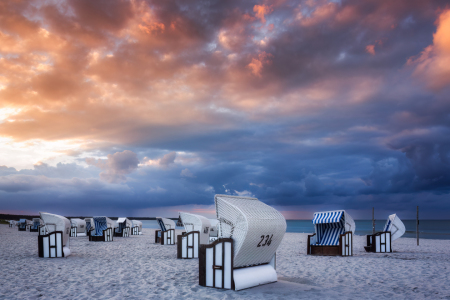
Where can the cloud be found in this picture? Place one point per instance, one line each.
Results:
(187, 173)
(116, 166)
(168, 159)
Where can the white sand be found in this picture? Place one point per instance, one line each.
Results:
(136, 268)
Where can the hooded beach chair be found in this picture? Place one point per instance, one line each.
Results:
(103, 230)
(124, 227)
(12, 223)
(136, 228)
(382, 241)
(244, 255)
(166, 234)
(333, 234)
(213, 230)
(53, 240)
(37, 223)
(197, 232)
(78, 227)
(24, 224)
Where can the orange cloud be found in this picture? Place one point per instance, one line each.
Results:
(370, 49)
(257, 64)
(433, 64)
(261, 11)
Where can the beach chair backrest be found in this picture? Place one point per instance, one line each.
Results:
(54, 222)
(138, 224)
(395, 226)
(256, 228)
(100, 224)
(330, 225)
(165, 224)
(193, 222)
(36, 223)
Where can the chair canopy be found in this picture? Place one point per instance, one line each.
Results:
(54, 222)
(165, 224)
(214, 230)
(79, 224)
(256, 228)
(329, 225)
(138, 224)
(122, 223)
(395, 226)
(100, 224)
(36, 223)
(192, 222)
(89, 224)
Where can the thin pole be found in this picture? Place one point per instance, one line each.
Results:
(373, 220)
(417, 226)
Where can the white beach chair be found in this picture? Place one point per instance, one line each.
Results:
(12, 223)
(244, 255)
(53, 240)
(103, 230)
(24, 224)
(137, 227)
(166, 235)
(124, 227)
(381, 242)
(36, 224)
(197, 232)
(333, 234)
(78, 228)
(213, 230)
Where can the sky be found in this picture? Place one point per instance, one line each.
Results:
(145, 108)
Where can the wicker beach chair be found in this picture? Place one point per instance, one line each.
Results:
(136, 228)
(124, 227)
(244, 255)
(78, 228)
(37, 223)
(12, 223)
(197, 232)
(333, 234)
(24, 224)
(166, 234)
(53, 240)
(381, 242)
(103, 230)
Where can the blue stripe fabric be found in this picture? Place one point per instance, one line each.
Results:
(88, 225)
(329, 226)
(36, 224)
(388, 226)
(22, 223)
(327, 217)
(100, 225)
(161, 225)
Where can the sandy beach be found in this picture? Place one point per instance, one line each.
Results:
(136, 268)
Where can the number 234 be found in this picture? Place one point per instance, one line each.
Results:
(267, 242)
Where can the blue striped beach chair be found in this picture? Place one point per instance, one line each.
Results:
(23, 224)
(381, 242)
(333, 234)
(37, 222)
(103, 230)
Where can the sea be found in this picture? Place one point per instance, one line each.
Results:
(428, 229)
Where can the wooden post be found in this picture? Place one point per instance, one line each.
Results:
(417, 226)
(373, 220)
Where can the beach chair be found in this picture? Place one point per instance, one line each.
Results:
(381, 242)
(137, 227)
(103, 230)
(24, 224)
(197, 232)
(12, 223)
(333, 234)
(244, 255)
(124, 227)
(53, 239)
(78, 228)
(36, 224)
(213, 230)
(166, 234)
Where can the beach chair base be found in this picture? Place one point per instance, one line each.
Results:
(168, 237)
(188, 244)
(135, 231)
(22, 229)
(345, 247)
(34, 229)
(157, 236)
(216, 268)
(380, 242)
(106, 237)
(125, 232)
(50, 245)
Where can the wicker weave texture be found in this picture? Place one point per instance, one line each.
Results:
(256, 228)
(193, 222)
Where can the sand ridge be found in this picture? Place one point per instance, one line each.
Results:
(136, 268)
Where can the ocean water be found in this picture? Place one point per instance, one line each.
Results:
(428, 229)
